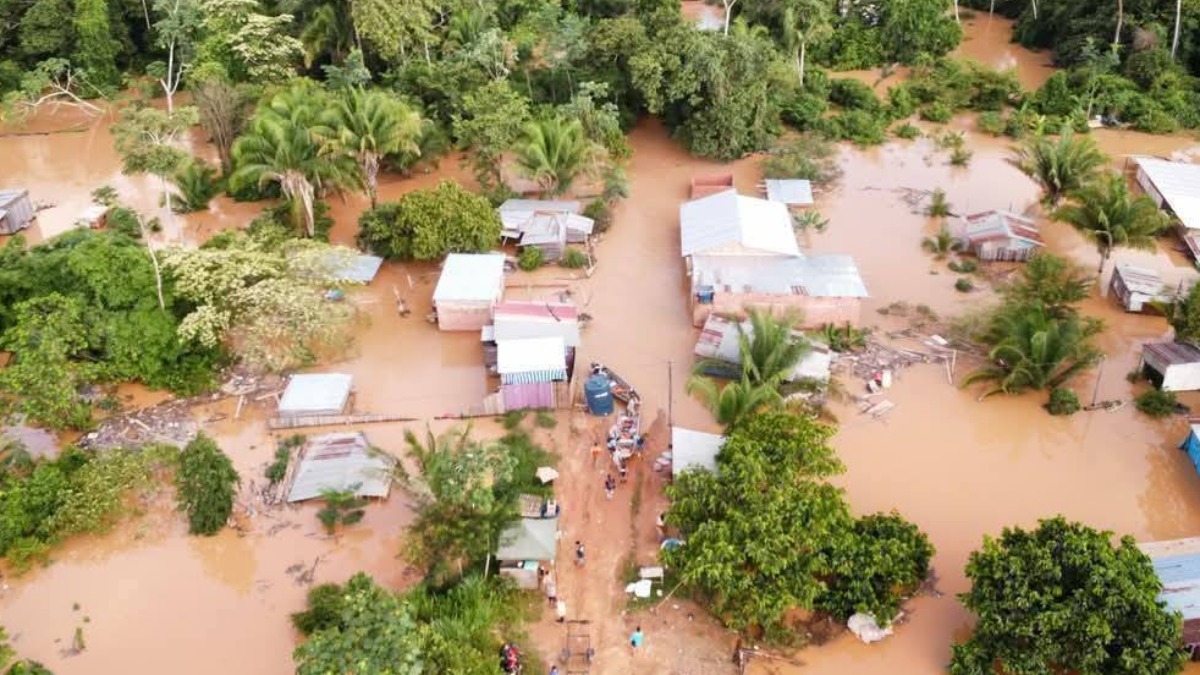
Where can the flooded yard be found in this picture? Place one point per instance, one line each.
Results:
(151, 599)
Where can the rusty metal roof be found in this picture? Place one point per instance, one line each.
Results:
(1140, 279)
(1173, 353)
(991, 225)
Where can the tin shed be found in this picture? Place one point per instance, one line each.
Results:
(1001, 236)
(528, 370)
(1172, 366)
(344, 461)
(16, 211)
(315, 394)
(1135, 286)
(792, 192)
(1177, 565)
(469, 287)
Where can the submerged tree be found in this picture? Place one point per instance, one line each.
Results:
(769, 349)
(430, 223)
(206, 482)
(96, 48)
(1060, 165)
(1050, 282)
(1064, 598)
(147, 140)
(1108, 215)
(222, 106)
(1033, 349)
(371, 125)
(942, 244)
(554, 152)
(734, 401)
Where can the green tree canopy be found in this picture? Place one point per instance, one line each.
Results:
(1051, 282)
(206, 481)
(96, 48)
(1060, 165)
(1033, 349)
(1109, 216)
(1064, 598)
(489, 125)
(554, 152)
(371, 125)
(428, 224)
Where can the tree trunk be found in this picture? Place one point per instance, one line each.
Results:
(146, 13)
(1120, 20)
(371, 175)
(956, 16)
(800, 61)
(992, 9)
(170, 220)
(1178, 17)
(170, 82)
(158, 284)
(1034, 2)
(728, 12)
(1103, 261)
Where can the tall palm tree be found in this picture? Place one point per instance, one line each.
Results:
(1060, 165)
(371, 125)
(943, 243)
(732, 402)
(1034, 350)
(328, 28)
(805, 21)
(1110, 217)
(769, 348)
(280, 146)
(555, 152)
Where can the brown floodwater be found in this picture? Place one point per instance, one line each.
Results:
(157, 600)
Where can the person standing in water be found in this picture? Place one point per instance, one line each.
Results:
(610, 486)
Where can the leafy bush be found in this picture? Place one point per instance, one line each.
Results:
(574, 259)
(808, 157)
(907, 131)
(196, 185)
(545, 419)
(599, 211)
(205, 483)
(850, 94)
(960, 156)
(428, 224)
(277, 469)
(531, 258)
(803, 111)
(323, 609)
(342, 507)
(964, 285)
(513, 418)
(810, 220)
(901, 102)
(963, 266)
(1063, 402)
(27, 667)
(991, 122)
(936, 112)
(274, 223)
(856, 126)
(939, 206)
(1157, 403)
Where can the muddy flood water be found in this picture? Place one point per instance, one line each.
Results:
(150, 599)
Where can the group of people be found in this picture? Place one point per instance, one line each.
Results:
(510, 658)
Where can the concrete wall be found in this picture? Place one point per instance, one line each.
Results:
(1148, 187)
(463, 316)
(815, 311)
(1182, 377)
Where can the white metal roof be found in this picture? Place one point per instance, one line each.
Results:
(694, 450)
(341, 461)
(824, 275)
(727, 222)
(529, 539)
(541, 205)
(471, 277)
(315, 394)
(832, 275)
(532, 355)
(1179, 185)
(525, 320)
(793, 192)
(1140, 279)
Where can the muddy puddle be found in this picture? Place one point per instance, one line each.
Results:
(157, 600)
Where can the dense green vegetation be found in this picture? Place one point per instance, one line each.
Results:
(206, 482)
(44, 502)
(767, 534)
(1064, 598)
(428, 224)
(360, 627)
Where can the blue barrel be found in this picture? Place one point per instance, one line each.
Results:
(597, 391)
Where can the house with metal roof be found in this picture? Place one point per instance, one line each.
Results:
(1175, 187)
(353, 269)
(315, 394)
(1172, 366)
(1136, 287)
(790, 192)
(546, 225)
(694, 450)
(1001, 236)
(342, 461)
(1191, 444)
(523, 320)
(16, 211)
(1177, 565)
(742, 252)
(469, 287)
(528, 371)
(719, 341)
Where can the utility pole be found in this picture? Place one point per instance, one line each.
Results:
(670, 393)
(1099, 375)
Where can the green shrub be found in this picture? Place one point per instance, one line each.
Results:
(810, 219)
(599, 211)
(808, 157)
(512, 419)
(574, 259)
(27, 667)
(960, 157)
(205, 483)
(1062, 402)
(991, 122)
(963, 266)
(850, 94)
(803, 111)
(124, 221)
(278, 468)
(324, 609)
(939, 206)
(856, 126)
(545, 419)
(1157, 403)
(936, 112)
(196, 185)
(907, 131)
(964, 285)
(901, 102)
(342, 507)
(531, 258)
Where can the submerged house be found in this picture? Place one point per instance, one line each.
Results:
(1171, 366)
(315, 394)
(741, 252)
(1001, 236)
(522, 320)
(719, 341)
(16, 211)
(342, 461)
(1135, 287)
(469, 287)
(1177, 565)
(545, 225)
(1175, 187)
(530, 372)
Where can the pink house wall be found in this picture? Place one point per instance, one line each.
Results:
(531, 395)
(463, 317)
(815, 311)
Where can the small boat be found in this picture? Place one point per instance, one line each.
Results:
(621, 389)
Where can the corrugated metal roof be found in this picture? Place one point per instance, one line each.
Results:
(359, 269)
(535, 376)
(1173, 353)
(541, 205)
(1140, 279)
(692, 450)
(727, 222)
(11, 195)
(991, 225)
(340, 462)
(529, 539)
(315, 394)
(832, 275)
(1179, 185)
(1180, 577)
(471, 277)
(792, 192)
(524, 320)
(531, 355)
(719, 340)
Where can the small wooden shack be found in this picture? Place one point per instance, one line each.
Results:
(469, 287)
(315, 394)
(1001, 236)
(341, 461)
(1136, 287)
(530, 371)
(523, 546)
(1172, 366)
(16, 211)
(703, 186)
(1177, 564)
